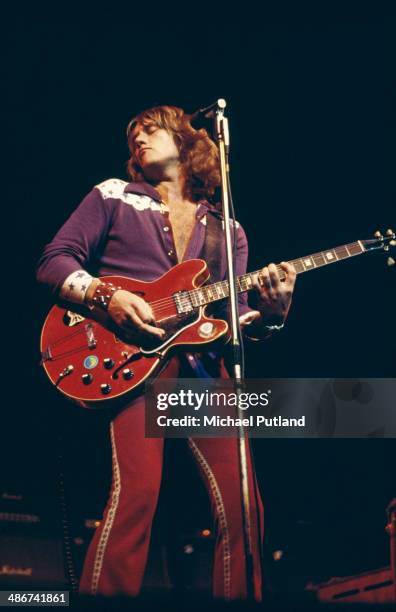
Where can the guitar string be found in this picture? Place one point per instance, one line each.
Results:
(159, 308)
(162, 305)
(168, 301)
(223, 285)
(295, 262)
(68, 353)
(72, 335)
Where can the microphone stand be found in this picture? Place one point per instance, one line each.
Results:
(223, 140)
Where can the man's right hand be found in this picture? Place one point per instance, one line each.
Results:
(133, 314)
(130, 312)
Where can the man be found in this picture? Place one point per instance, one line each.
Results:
(141, 229)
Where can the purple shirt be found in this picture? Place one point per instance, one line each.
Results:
(124, 229)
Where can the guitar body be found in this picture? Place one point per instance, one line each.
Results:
(91, 362)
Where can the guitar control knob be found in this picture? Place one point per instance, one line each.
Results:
(127, 374)
(105, 388)
(206, 330)
(87, 379)
(108, 363)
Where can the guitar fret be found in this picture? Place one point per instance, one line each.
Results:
(215, 291)
(222, 289)
(248, 281)
(299, 266)
(197, 297)
(281, 272)
(205, 294)
(341, 252)
(308, 263)
(354, 248)
(319, 259)
(193, 298)
(330, 256)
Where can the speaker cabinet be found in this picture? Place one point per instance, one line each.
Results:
(27, 561)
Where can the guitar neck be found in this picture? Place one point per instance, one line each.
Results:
(218, 291)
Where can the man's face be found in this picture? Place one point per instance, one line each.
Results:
(153, 148)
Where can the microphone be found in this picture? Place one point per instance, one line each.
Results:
(208, 111)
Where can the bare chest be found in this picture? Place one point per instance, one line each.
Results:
(182, 221)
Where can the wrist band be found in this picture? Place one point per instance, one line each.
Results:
(75, 287)
(103, 294)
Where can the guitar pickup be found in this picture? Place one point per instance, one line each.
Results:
(92, 342)
(183, 302)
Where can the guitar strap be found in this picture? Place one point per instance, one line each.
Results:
(212, 252)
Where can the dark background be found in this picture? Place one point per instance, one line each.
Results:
(311, 102)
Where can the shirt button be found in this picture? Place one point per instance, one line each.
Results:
(166, 228)
(170, 252)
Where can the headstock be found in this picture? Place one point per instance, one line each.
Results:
(383, 243)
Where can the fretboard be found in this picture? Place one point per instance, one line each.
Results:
(218, 291)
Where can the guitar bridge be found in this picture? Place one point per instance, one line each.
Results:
(90, 336)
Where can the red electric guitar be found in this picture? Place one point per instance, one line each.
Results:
(90, 361)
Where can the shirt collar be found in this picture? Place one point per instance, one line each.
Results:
(142, 188)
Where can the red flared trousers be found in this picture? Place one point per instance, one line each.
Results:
(117, 555)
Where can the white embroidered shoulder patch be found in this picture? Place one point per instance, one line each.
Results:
(114, 188)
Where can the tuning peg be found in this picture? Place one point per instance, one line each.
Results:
(391, 261)
(390, 232)
(393, 243)
(378, 235)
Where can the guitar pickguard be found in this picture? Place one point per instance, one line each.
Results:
(172, 326)
(72, 318)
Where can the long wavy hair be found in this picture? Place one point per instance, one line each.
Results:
(198, 153)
